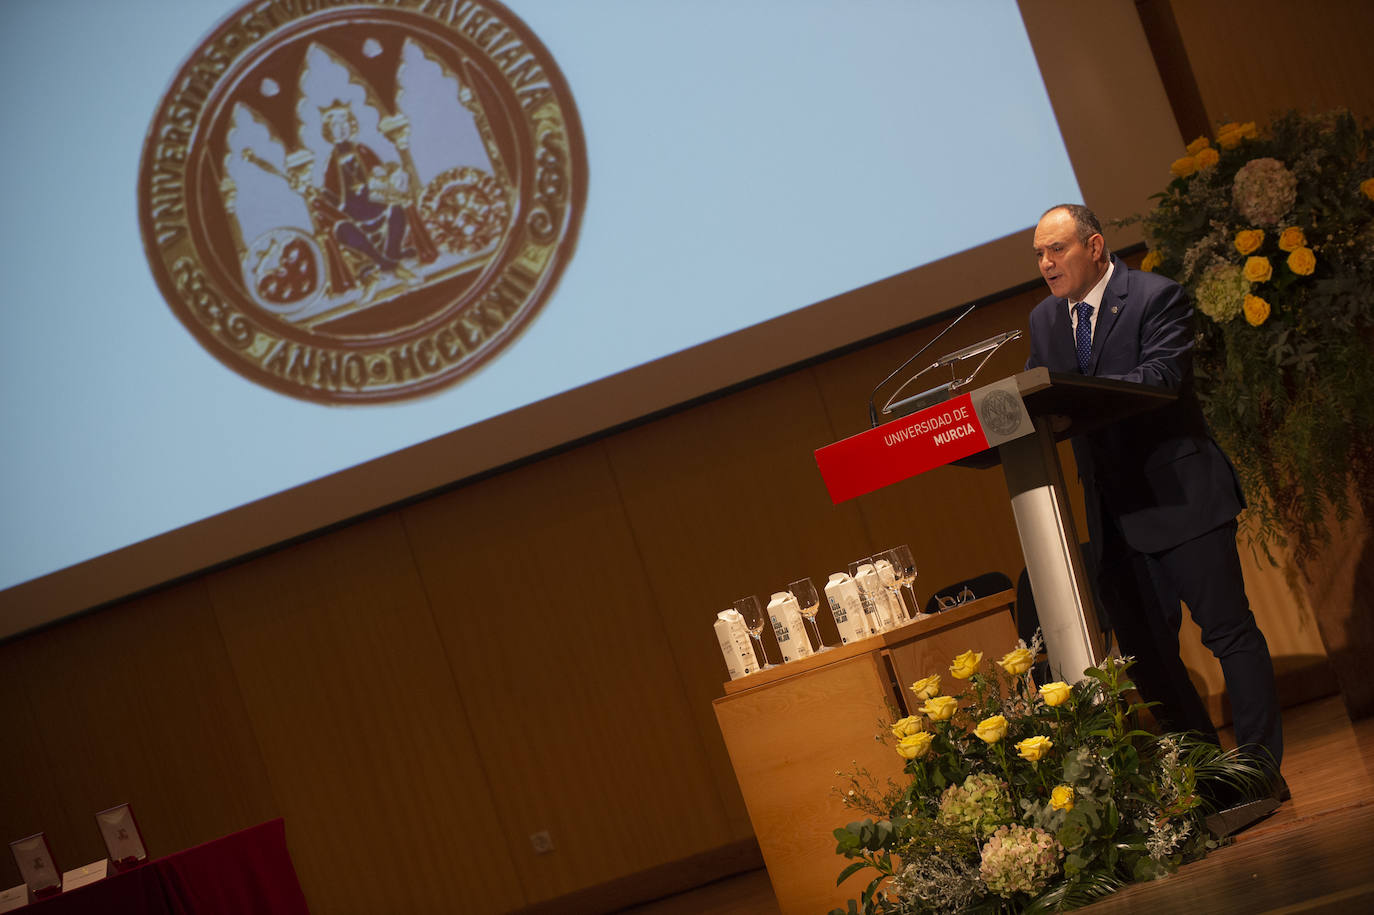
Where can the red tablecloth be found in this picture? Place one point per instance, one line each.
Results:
(248, 871)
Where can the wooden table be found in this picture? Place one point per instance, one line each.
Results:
(791, 729)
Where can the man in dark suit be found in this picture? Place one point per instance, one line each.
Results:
(1161, 496)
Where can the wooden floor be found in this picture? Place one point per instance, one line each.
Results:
(1313, 855)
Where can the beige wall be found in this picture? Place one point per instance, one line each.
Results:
(1257, 58)
(346, 683)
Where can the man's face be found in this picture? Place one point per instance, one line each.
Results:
(1069, 266)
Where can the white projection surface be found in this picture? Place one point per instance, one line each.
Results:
(746, 159)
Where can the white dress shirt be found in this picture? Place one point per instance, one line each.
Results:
(1093, 298)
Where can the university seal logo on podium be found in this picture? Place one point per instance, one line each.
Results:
(362, 203)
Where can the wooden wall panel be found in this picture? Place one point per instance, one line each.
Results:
(1255, 58)
(138, 705)
(1286, 618)
(725, 500)
(30, 790)
(568, 673)
(362, 732)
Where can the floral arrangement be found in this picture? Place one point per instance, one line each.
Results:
(1272, 231)
(1026, 799)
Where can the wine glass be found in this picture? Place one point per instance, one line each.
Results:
(904, 568)
(885, 567)
(863, 573)
(808, 603)
(754, 620)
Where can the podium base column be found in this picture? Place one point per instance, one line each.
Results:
(1050, 544)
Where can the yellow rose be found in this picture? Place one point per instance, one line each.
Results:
(1367, 188)
(1061, 798)
(1184, 167)
(1034, 748)
(940, 708)
(926, 687)
(991, 730)
(1302, 261)
(1256, 310)
(1230, 135)
(1198, 146)
(1291, 240)
(1017, 661)
(966, 665)
(909, 725)
(1207, 158)
(1151, 260)
(1056, 693)
(1248, 240)
(1258, 269)
(914, 746)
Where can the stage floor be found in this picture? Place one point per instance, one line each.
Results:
(1312, 855)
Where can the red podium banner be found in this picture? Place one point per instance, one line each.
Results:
(931, 438)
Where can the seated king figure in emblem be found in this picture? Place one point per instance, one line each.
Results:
(366, 207)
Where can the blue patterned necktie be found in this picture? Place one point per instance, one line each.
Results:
(1083, 336)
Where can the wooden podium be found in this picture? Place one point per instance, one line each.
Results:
(1051, 406)
(790, 730)
(1060, 405)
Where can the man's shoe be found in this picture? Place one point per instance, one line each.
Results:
(1239, 815)
(1232, 820)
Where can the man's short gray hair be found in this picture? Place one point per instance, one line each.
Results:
(1084, 221)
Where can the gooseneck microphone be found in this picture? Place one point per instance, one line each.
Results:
(872, 407)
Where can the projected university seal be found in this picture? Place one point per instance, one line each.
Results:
(360, 202)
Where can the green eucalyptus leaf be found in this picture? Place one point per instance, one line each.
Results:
(851, 870)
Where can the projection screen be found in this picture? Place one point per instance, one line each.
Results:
(276, 264)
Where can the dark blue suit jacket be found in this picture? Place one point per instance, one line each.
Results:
(1160, 473)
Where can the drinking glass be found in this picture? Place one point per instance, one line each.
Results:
(863, 573)
(904, 568)
(808, 603)
(885, 565)
(754, 620)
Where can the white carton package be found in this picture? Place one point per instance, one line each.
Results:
(846, 606)
(788, 626)
(735, 644)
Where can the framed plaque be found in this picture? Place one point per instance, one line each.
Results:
(123, 841)
(36, 865)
